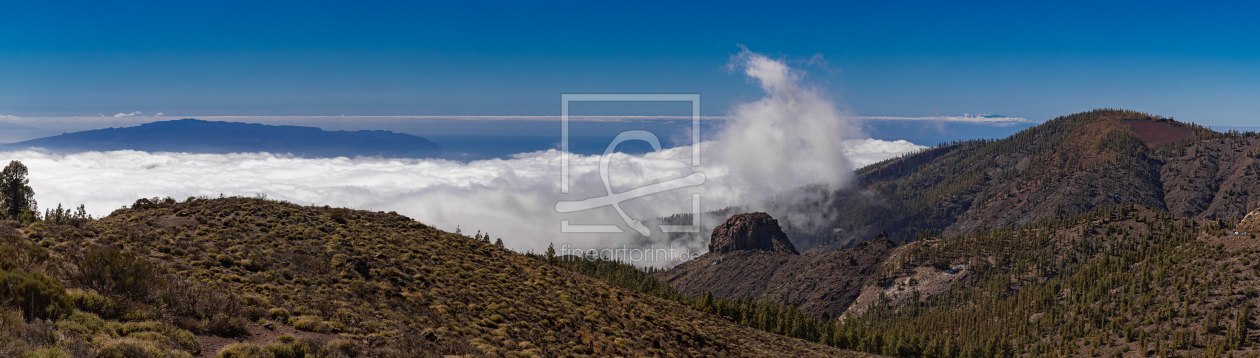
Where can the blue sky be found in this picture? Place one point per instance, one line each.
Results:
(1197, 63)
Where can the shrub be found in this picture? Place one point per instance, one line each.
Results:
(46, 353)
(224, 325)
(424, 344)
(131, 347)
(83, 324)
(255, 313)
(244, 350)
(111, 270)
(282, 351)
(311, 324)
(305, 347)
(203, 309)
(37, 296)
(344, 346)
(36, 230)
(278, 313)
(157, 338)
(94, 303)
(18, 253)
(173, 337)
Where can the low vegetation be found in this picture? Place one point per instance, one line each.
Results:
(163, 276)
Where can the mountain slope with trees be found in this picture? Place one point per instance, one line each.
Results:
(1066, 166)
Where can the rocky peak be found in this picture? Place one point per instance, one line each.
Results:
(752, 231)
(880, 241)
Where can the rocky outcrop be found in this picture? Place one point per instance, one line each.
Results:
(1251, 223)
(822, 285)
(753, 231)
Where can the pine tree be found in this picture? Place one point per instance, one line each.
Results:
(16, 197)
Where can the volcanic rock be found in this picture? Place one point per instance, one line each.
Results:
(753, 231)
(820, 284)
(1251, 223)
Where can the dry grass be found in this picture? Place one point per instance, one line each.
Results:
(386, 284)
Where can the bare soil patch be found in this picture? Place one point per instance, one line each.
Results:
(1158, 132)
(210, 345)
(173, 220)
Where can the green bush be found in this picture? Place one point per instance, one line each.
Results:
(156, 338)
(46, 353)
(122, 273)
(94, 303)
(36, 230)
(19, 253)
(82, 323)
(37, 296)
(279, 314)
(131, 347)
(311, 324)
(344, 346)
(170, 336)
(224, 325)
(244, 350)
(306, 347)
(282, 351)
(290, 347)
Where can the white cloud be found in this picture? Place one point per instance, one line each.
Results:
(8, 117)
(863, 152)
(794, 136)
(132, 114)
(789, 138)
(513, 199)
(968, 118)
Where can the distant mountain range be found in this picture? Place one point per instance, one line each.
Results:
(197, 136)
(10, 126)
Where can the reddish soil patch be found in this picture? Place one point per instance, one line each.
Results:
(172, 220)
(1159, 131)
(210, 345)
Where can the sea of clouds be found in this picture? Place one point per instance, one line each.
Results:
(792, 137)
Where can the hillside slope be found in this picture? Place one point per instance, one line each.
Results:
(1120, 281)
(239, 269)
(1066, 166)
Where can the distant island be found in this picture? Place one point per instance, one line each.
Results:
(212, 137)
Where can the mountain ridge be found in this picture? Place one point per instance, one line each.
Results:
(190, 135)
(1066, 166)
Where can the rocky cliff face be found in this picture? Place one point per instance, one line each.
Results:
(753, 231)
(1251, 223)
(750, 255)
